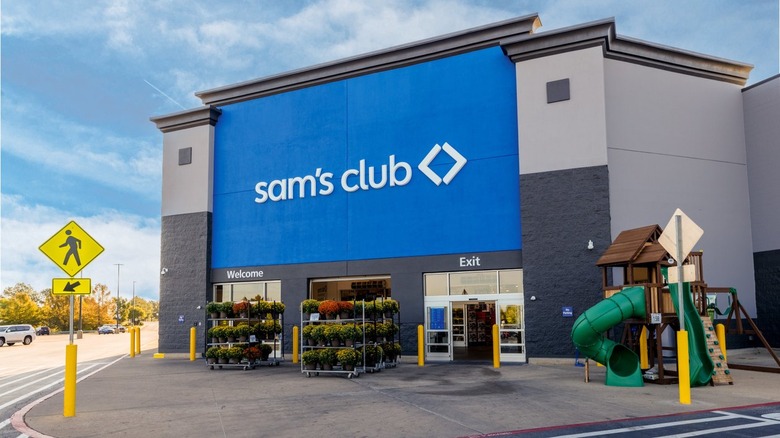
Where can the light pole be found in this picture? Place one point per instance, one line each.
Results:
(118, 265)
(132, 309)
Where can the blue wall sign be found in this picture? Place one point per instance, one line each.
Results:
(420, 160)
(567, 311)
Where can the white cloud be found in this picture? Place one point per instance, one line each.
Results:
(65, 146)
(130, 240)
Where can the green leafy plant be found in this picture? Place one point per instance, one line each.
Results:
(351, 332)
(277, 307)
(391, 306)
(243, 330)
(310, 357)
(227, 309)
(373, 354)
(213, 307)
(262, 309)
(348, 356)
(310, 306)
(216, 332)
(235, 353)
(333, 334)
(212, 353)
(318, 334)
(308, 332)
(328, 356)
(265, 351)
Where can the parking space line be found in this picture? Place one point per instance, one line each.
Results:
(724, 416)
(26, 377)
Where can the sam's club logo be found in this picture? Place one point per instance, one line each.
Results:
(364, 177)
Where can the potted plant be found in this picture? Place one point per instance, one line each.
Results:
(351, 333)
(369, 329)
(212, 354)
(346, 309)
(219, 333)
(359, 309)
(373, 354)
(265, 351)
(308, 307)
(230, 333)
(328, 358)
(262, 308)
(222, 356)
(333, 334)
(235, 354)
(329, 308)
(243, 331)
(368, 308)
(349, 358)
(213, 309)
(379, 308)
(259, 330)
(277, 308)
(391, 307)
(251, 354)
(318, 333)
(392, 351)
(241, 309)
(214, 333)
(308, 334)
(310, 359)
(226, 309)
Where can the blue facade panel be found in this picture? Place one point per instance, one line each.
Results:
(330, 173)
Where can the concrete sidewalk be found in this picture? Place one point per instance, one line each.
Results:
(150, 397)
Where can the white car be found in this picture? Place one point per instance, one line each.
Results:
(11, 334)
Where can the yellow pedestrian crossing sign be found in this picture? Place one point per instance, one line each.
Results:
(71, 248)
(71, 286)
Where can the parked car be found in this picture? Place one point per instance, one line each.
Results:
(106, 330)
(42, 330)
(11, 334)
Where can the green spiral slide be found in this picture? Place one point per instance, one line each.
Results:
(588, 335)
(701, 365)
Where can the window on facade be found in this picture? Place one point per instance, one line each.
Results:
(510, 282)
(435, 284)
(473, 283)
(267, 290)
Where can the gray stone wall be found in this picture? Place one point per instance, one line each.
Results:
(186, 260)
(560, 212)
(767, 269)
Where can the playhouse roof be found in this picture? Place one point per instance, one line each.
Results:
(636, 246)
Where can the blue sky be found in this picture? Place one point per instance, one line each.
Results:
(80, 80)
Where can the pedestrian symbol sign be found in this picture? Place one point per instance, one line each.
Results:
(71, 286)
(71, 248)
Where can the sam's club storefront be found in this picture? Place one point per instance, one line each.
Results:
(392, 174)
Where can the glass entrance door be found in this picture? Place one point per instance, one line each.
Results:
(511, 330)
(437, 332)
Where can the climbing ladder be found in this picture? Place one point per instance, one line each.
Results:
(721, 373)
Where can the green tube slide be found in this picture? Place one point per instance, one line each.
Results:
(701, 366)
(588, 335)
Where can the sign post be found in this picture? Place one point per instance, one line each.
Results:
(71, 249)
(673, 242)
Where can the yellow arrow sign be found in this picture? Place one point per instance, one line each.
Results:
(71, 286)
(71, 248)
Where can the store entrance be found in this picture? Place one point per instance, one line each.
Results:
(472, 330)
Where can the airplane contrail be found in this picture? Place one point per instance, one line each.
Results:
(161, 92)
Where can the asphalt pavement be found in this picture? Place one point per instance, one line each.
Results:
(174, 397)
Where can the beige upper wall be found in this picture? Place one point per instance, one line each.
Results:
(568, 134)
(188, 188)
(762, 134)
(677, 141)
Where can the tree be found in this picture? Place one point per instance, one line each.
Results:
(103, 299)
(57, 310)
(19, 308)
(18, 288)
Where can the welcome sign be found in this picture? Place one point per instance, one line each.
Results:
(420, 160)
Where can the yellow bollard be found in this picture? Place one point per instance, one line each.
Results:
(496, 348)
(420, 346)
(683, 367)
(644, 362)
(192, 344)
(132, 342)
(296, 344)
(720, 332)
(138, 341)
(69, 401)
